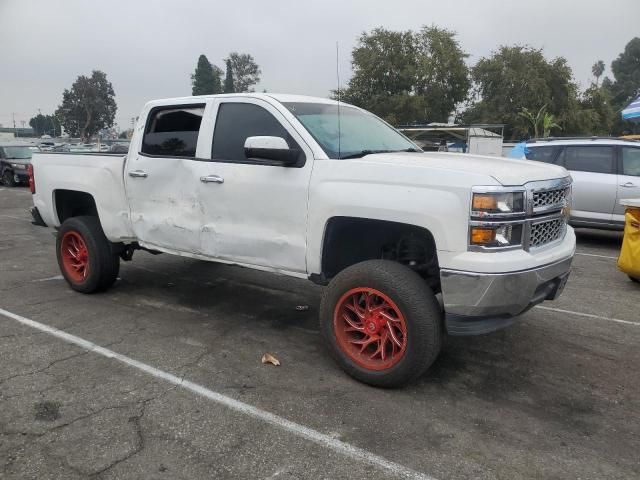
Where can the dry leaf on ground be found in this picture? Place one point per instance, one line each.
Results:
(268, 358)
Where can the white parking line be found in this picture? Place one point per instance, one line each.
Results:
(588, 315)
(292, 427)
(14, 217)
(48, 279)
(594, 255)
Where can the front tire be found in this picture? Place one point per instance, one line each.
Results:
(634, 279)
(382, 323)
(7, 179)
(85, 257)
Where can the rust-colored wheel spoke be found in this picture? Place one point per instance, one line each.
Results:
(364, 342)
(355, 308)
(75, 256)
(356, 326)
(370, 328)
(392, 335)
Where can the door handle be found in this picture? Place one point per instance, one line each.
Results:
(138, 174)
(212, 179)
(628, 185)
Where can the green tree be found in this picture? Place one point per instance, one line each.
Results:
(596, 105)
(442, 74)
(206, 78)
(245, 72)
(598, 69)
(519, 77)
(88, 106)
(228, 79)
(406, 76)
(626, 70)
(45, 125)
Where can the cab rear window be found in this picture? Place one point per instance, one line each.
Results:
(173, 131)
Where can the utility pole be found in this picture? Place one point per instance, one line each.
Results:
(15, 132)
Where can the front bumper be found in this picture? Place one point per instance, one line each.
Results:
(477, 303)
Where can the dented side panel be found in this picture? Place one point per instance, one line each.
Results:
(98, 175)
(165, 207)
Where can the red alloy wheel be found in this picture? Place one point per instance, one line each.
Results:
(370, 328)
(75, 256)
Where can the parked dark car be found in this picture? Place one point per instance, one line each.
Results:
(14, 158)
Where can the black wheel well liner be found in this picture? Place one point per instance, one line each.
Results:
(350, 240)
(73, 203)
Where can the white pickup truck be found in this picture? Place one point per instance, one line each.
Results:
(412, 245)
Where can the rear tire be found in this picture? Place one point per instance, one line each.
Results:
(85, 256)
(7, 179)
(634, 279)
(388, 307)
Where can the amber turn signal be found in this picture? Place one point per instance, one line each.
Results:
(482, 236)
(485, 202)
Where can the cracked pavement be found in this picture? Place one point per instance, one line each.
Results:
(555, 396)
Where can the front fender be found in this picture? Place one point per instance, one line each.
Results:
(443, 211)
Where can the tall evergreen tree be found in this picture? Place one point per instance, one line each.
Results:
(228, 79)
(206, 78)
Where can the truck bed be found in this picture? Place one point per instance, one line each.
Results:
(97, 174)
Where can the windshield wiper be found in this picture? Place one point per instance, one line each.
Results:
(363, 153)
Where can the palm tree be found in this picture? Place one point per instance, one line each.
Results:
(534, 119)
(598, 70)
(548, 122)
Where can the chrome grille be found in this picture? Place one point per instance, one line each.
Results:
(549, 199)
(546, 232)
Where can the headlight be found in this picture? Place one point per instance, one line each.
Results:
(486, 204)
(499, 235)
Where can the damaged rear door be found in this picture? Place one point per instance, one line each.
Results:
(162, 179)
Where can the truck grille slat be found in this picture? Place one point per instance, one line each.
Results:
(547, 232)
(549, 199)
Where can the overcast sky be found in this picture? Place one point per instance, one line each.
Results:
(149, 48)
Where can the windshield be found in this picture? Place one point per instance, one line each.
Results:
(23, 153)
(361, 132)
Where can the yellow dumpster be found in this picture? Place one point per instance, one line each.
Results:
(629, 259)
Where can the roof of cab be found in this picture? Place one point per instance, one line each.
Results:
(280, 97)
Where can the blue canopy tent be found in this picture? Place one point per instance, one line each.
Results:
(632, 111)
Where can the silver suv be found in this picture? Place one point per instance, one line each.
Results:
(604, 171)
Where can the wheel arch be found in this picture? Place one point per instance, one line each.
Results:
(73, 203)
(349, 240)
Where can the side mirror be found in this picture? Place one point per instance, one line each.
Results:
(271, 148)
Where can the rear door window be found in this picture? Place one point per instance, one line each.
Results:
(596, 159)
(541, 154)
(173, 131)
(631, 161)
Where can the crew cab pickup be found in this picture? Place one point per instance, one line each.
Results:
(411, 245)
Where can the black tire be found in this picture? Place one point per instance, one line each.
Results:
(103, 263)
(634, 279)
(417, 304)
(7, 179)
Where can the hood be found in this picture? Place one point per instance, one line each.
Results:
(506, 171)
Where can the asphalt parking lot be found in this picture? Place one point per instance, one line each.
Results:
(177, 389)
